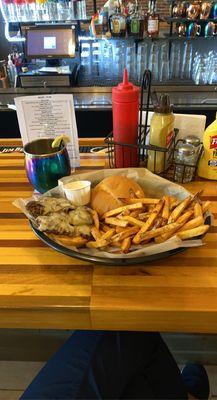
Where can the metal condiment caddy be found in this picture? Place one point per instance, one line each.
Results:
(172, 168)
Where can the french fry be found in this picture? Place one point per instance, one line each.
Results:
(144, 216)
(198, 212)
(190, 233)
(179, 210)
(166, 208)
(159, 239)
(95, 233)
(197, 195)
(168, 235)
(149, 222)
(117, 243)
(105, 228)
(181, 220)
(108, 235)
(119, 210)
(134, 221)
(206, 206)
(97, 244)
(77, 241)
(173, 203)
(160, 221)
(123, 235)
(144, 201)
(95, 219)
(125, 212)
(157, 232)
(135, 214)
(126, 244)
(185, 217)
(193, 223)
(116, 222)
(150, 207)
(119, 229)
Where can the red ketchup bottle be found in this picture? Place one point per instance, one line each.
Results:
(125, 108)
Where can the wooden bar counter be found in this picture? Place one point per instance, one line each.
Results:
(41, 288)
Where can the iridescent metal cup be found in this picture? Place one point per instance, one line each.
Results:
(45, 165)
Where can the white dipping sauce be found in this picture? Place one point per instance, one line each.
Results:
(78, 192)
(77, 185)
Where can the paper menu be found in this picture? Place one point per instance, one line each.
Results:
(49, 116)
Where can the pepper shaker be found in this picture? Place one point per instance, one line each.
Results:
(185, 163)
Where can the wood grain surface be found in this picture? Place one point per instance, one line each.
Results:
(41, 288)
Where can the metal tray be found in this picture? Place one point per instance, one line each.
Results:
(108, 261)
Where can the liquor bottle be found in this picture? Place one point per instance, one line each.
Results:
(31, 10)
(146, 14)
(104, 19)
(118, 23)
(153, 21)
(135, 23)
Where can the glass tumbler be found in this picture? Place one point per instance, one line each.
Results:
(45, 165)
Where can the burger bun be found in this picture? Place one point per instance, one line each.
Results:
(107, 195)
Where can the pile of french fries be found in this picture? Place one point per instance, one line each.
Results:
(142, 220)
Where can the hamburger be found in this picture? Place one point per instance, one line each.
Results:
(108, 194)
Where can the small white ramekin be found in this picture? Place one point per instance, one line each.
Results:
(78, 196)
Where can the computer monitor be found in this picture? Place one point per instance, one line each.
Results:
(50, 42)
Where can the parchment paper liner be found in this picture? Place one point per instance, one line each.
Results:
(153, 185)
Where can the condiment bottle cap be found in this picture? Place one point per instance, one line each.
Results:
(125, 92)
(164, 106)
(192, 139)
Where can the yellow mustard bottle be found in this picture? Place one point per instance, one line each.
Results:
(208, 163)
(161, 134)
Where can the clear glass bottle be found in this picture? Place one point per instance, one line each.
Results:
(41, 10)
(63, 10)
(21, 10)
(52, 10)
(31, 7)
(153, 21)
(79, 9)
(9, 9)
(185, 163)
(118, 24)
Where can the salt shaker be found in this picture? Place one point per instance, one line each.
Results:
(194, 141)
(185, 163)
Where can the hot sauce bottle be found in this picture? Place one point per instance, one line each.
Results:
(125, 109)
(152, 20)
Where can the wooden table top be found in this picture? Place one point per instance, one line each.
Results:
(41, 288)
